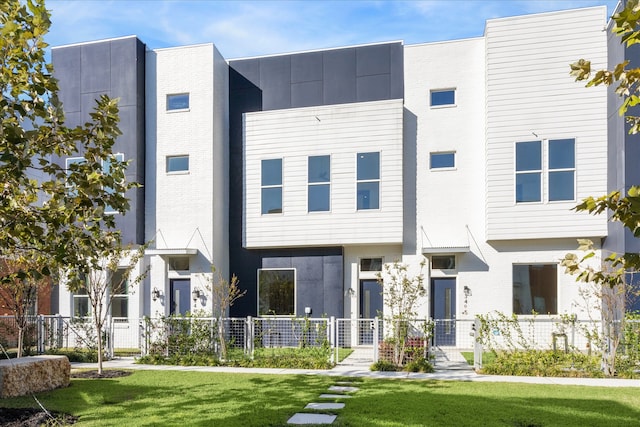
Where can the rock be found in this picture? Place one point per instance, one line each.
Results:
(19, 377)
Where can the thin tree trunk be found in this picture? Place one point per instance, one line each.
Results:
(20, 340)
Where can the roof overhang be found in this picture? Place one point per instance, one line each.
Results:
(431, 250)
(172, 252)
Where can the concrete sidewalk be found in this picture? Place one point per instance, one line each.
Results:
(362, 371)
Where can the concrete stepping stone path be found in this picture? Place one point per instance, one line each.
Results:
(302, 418)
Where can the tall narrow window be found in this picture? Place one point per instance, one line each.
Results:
(271, 179)
(562, 169)
(319, 188)
(177, 101)
(106, 167)
(81, 306)
(119, 294)
(276, 292)
(368, 177)
(528, 171)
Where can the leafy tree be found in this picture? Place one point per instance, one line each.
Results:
(402, 293)
(224, 294)
(106, 274)
(623, 207)
(20, 294)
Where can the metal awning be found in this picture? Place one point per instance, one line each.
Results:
(429, 250)
(172, 252)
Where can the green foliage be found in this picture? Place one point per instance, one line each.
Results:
(419, 365)
(76, 355)
(384, 366)
(543, 363)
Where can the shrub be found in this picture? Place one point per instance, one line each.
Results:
(383, 365)
(419, 365)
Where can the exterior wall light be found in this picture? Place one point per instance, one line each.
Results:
(155, 294)
(195, 294)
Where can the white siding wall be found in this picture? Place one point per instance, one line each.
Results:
(529, 91)
(337, 130)
(187, 209)
(447, 200)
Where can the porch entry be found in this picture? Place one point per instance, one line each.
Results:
(180, 292)
(443, 309)
(370, 306)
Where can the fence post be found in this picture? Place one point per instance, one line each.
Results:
(331, 331)
(248, 337)
(376, 326)
(40, 333)
(59, 332)
(477, 345)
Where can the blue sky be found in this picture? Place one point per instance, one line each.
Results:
(250, 28)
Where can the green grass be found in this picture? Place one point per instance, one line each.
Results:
(488, 357)
(174, 398)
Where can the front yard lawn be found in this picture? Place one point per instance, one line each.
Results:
(176, 398)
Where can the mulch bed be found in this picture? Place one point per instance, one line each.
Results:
(31, 417)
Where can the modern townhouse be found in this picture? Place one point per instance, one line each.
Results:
(304, 173)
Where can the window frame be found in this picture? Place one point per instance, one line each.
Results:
(295, 293)
(318, 184)
(121, 296)
(265, 189)
(531, 172)
(551, 170)
(365, 181)
(168, 98)
(441, 153)
(453, 90)
(80, 294)
(533, 297)
(443, 257)
(177, 171)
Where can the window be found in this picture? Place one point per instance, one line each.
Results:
(119, 294)
(177, 163)
(528, 171)
(442, 160)
(81, 306)
(106, 167)
(443, 97)
(562, 164)
(371, 264)
(368, 185)
(319, 188)
(179, 263)
(178, 101)
(276, 292)
(443, 262)
(535, 288)
(271, 197)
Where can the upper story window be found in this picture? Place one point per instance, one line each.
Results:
(368, 181)
(271, 183)
(529, 171)
(443, 97)
(442, 160)
(562, 169)
(177, 101)
(557, 173)
(371, 264)
(319, 184)
(178, 163)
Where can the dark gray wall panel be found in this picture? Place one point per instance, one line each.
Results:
(306, 67)
(123, 70)
(397, 71)
(372, 60)
(333, 288)
(249, 70)
(306, 94)
(67, 71)
(276, 262)
(371, 88)
(339, 71)
(275, 82)
(95, 63)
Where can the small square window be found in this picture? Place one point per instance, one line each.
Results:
(179, 263)
(177, 163)
(443, 262)
(442, 160)
(443, 97)
(178, 101)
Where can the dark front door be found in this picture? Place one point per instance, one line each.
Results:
(180, 294)
(370, 307)
(443, 300)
